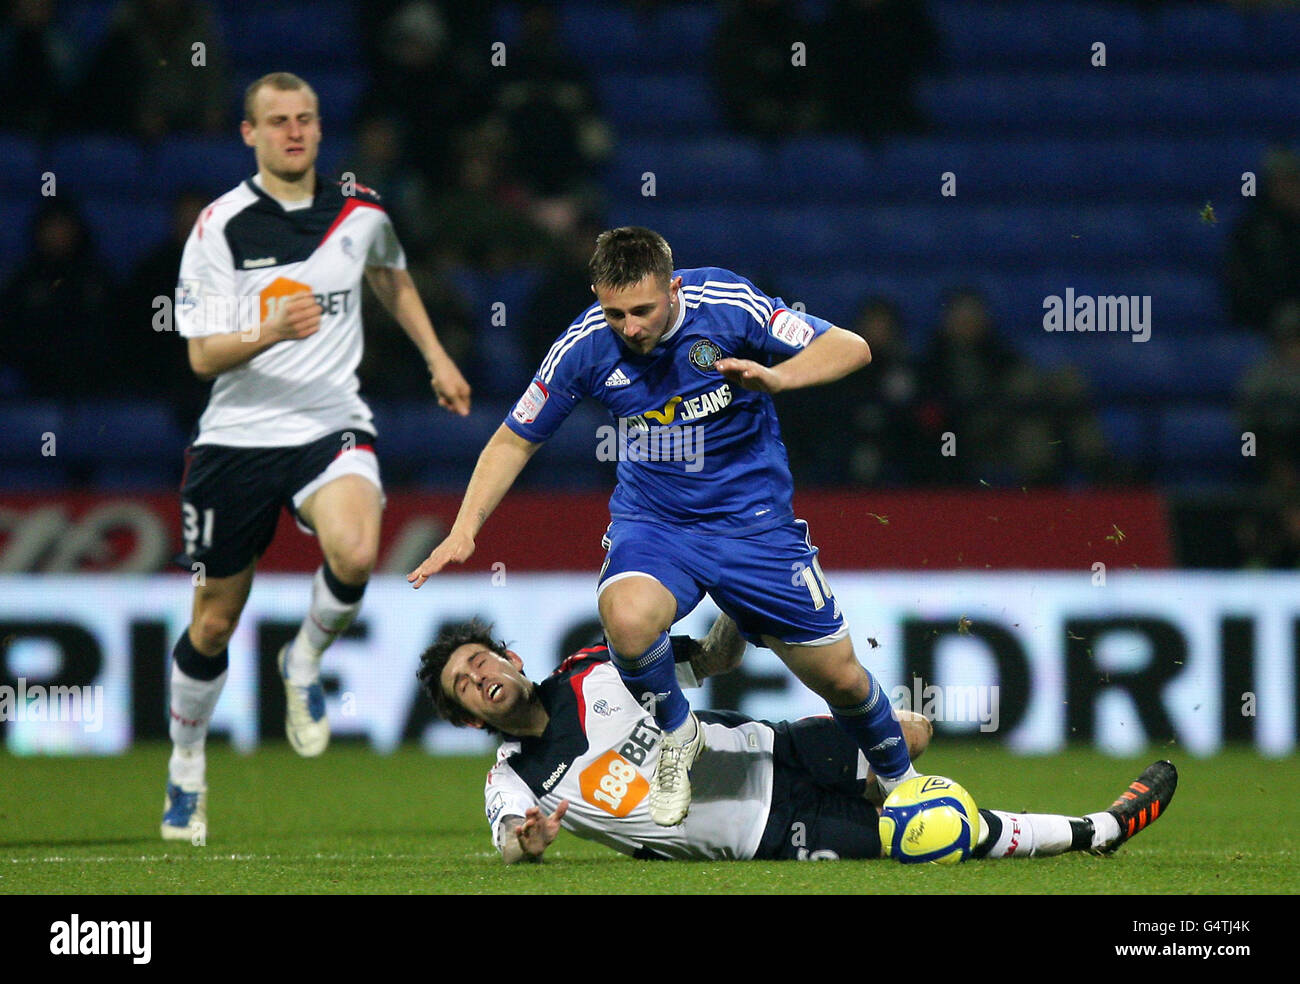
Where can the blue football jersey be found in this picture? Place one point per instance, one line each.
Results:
(692, 448)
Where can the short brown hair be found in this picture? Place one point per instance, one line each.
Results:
(282, 81)
(628, 255)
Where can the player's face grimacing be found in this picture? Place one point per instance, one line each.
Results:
(286, 132)
(491, 688)
(640, 314)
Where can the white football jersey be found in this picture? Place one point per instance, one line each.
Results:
(599, 751)
(246, 254)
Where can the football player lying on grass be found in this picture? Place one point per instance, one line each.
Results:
(578, 749)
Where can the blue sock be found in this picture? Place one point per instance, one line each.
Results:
(877, 732)
(654, 672)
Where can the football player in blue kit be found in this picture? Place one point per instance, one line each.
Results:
(686, 361)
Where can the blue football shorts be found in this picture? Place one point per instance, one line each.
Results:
(770, 583)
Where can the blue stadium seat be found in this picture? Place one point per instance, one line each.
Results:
(259, 34)
(976, 34)
(141, 477)
(1114, 103)
(25, 426)
(23, 164)
(1216, 361)
(716, 169)
(1029, 167)
(123, 435)
(1197, 35)
(1275, 36)
(340, 91)
(680, 103)
(1199, 445)
(1130, 433)
(839, 295)
(92, 164)
(87, 21)
(836, 297)
(421, 433)
(600, 34)
(842, 235)
(126, 229)
(50, 475)
(736, 237)
(183, 161)
(568, 460)
(823, 169)
(15, 232)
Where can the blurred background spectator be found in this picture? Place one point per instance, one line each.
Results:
(1263, 263)
(761, 66)
(805, 146)
(871, 60)
(39, 61)
(161, 357)
(1270, 403)
(57, 312)
(863, 429)
(162, 69)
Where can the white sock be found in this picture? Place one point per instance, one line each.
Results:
(1105, 829)
(191, 705)
(887, 785)
(326, 618)
(1026, 835)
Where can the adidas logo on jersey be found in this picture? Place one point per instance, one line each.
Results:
(617, 378)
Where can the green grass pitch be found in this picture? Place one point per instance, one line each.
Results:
(356, 822)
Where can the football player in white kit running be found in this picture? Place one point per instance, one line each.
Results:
(269, 300)
(577, 752)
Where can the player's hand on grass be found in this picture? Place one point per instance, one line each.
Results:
(456, 549)
(297, 317)
(447, 381)
(538, 830)
(749, 374)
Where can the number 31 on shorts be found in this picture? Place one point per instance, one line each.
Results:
(194, 537)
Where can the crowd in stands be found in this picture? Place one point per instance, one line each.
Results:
(490, 169)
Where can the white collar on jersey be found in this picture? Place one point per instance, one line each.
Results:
(288, 206)
(681, 316)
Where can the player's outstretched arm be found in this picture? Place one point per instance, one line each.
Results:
(211, 355)
(830, 356)
(529, 837)
(396, 292)
(499, 464)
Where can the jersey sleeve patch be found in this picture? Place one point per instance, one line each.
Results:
(786, 326)
(531, 403)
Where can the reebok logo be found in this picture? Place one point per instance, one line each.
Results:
(554, 777)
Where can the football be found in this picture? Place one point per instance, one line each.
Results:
(929, 819)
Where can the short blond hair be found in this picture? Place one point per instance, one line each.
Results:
(282, 81)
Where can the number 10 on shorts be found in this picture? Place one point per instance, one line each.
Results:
(811, 577)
